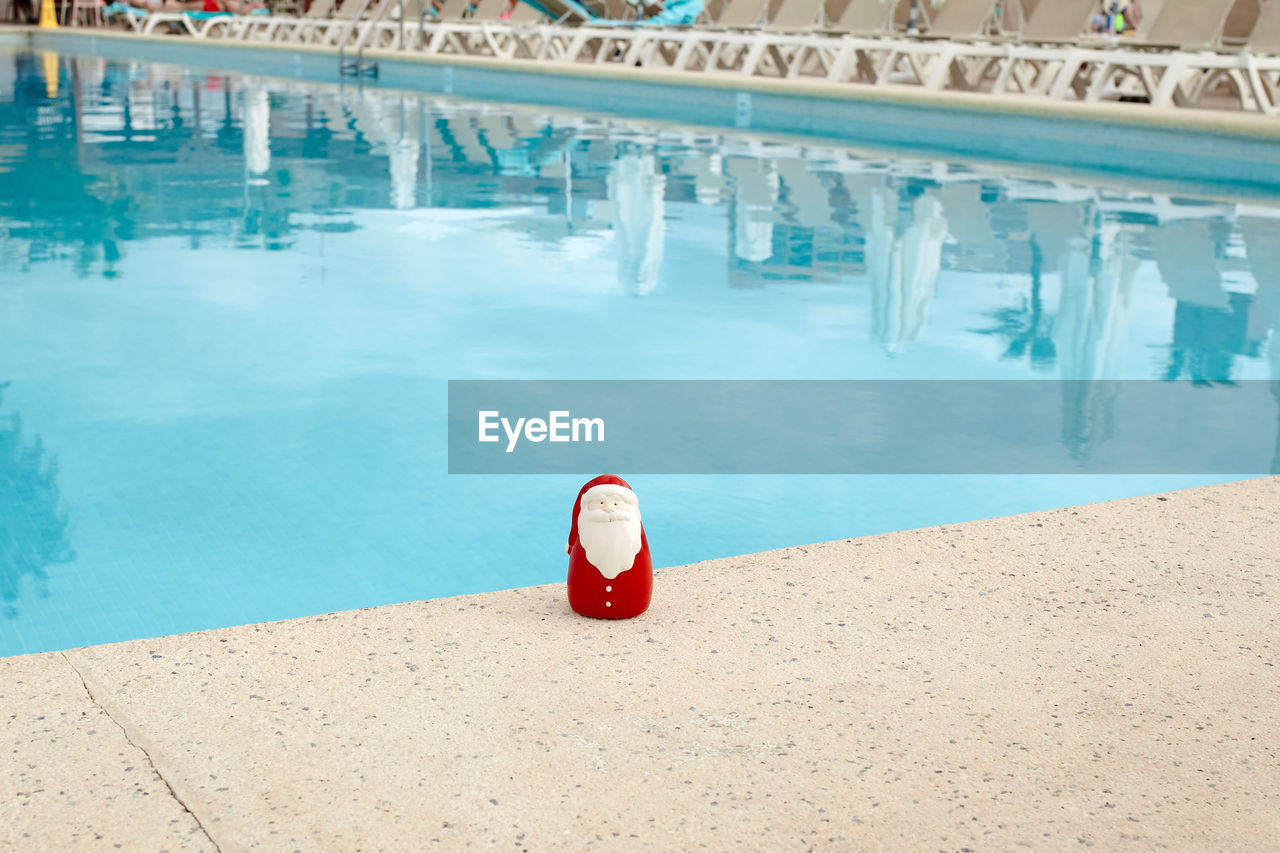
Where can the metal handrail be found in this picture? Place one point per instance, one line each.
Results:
(358, 66)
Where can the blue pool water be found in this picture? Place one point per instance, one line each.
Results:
(229, 307)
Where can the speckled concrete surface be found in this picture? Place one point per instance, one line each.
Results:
(70, 778)
(1098, 676)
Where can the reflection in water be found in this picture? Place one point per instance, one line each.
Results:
(1026, 326)
(257, 130)
(145, 151)
(904, 255)
(1262, 242)
(636, 190)
(33, 527)
(128, 152)
(1097, 275)
(1206, 339)
(248, 288)
(755, 191)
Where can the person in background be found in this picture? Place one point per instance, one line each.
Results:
(1132, 17)
(1116, 17)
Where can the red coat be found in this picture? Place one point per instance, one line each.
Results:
(627, 595)
(591, 593)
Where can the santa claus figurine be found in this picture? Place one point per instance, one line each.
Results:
(610, 573)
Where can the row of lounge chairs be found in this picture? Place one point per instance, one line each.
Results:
(1185, 53)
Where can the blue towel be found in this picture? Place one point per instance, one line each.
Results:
(676, 13)
(124, 9)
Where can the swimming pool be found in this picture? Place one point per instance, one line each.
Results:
(230, 305)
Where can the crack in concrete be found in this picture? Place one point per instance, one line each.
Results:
(150, 762)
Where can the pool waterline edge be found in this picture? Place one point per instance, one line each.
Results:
(1143, 142)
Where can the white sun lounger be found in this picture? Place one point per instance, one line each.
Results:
(269, 27)
(191, 22)
(1190, 50)
(963, 19)
(1058, 21)
(1194, 25)
(743, 37)
(1265, 38)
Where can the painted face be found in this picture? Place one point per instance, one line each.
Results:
(609, 529)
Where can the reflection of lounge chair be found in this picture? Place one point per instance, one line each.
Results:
(755, 193)
(637, 188)
(704, 172)
(1185, 255)
(376, 118)
(968, 218)
(464, 138)
(1262, 245)
(1090, 332)
(808, 197)
(903, 263)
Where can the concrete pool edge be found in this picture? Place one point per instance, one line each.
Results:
(1200, 145)
(1226, 122)
(1102, 672)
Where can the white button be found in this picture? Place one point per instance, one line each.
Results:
(608, 589)
(608, 604)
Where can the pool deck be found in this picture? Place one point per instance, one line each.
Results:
(1102, 675)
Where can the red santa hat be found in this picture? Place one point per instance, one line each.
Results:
(602, 480)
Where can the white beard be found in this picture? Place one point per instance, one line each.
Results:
(611, 545)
